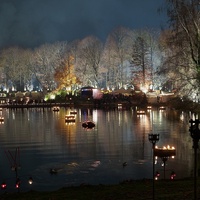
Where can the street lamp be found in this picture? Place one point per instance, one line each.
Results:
(195, 134)
(153, 138)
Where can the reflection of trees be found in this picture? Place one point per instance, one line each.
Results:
(142, 127)
(173, 128)
(120, 136)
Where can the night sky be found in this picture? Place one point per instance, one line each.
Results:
(30, 23)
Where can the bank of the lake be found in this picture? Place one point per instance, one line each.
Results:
(137, 190)
(173, 103)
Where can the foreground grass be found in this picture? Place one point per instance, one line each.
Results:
(164, 189)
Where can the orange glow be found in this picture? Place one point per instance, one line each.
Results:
(69, 119)
(166, 151)
(1, 120)
(141, 112)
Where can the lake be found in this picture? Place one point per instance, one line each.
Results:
(37, 140)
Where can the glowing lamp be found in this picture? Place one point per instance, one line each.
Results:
(157, 175)
(53, 96)
(17, 184)
(3, 185)
(30, 181)
(165, 152)
(172, 175)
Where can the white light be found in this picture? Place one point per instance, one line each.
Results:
(53, 96)
(30, 181)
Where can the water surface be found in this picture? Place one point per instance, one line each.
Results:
(94, 156)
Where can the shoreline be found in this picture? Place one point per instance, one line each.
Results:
(111, 105)
(133, 189)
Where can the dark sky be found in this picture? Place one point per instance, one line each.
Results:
(30, 23)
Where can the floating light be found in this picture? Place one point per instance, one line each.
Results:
(30, 180)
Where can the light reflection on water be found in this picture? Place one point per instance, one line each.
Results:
(90, 156)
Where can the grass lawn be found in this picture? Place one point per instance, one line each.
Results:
(164, 189)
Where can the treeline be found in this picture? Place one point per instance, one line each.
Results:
(145, 59)
(128, 58)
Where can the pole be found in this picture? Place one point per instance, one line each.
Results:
(164, 159)
(195, 168)
(195, 134)
(164, 171)
(153, 138)
(195, 174)
(153, 171)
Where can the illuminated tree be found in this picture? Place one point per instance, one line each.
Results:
(119, 41)
(141, 61)
(47, 58)
(144, 58)
(182, 46)
(50, 66)
(65, 77)
(109, 65)
(88, 61)
(16, 69)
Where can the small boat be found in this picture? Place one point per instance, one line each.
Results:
(73, 112)
(141, 112)
(162, 108)
(119, 106)
(88, 125)
(56, 109)
(1, 119)
(149, 107)
(69, 118)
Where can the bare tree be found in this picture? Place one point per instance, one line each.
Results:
(16, 67)
(109, 65)
(120, 42)
(88, 60)
(49, 66)
(182, 63)
(47, 58)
